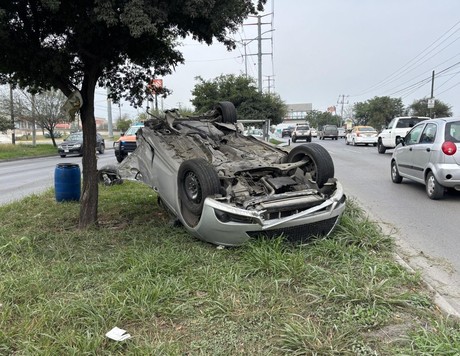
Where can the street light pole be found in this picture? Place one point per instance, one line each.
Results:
(13, 133)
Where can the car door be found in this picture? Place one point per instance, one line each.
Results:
(405, 153)
(421, 152)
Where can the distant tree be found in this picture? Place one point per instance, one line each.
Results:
(5, 123)
(318, 118)
(378, 112)
(122, 44)
(243, 93)
(420, 108)
(123, 124)
(43, 109)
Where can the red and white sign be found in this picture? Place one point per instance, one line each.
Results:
(155, 85)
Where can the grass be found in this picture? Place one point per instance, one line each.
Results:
(62, 289)
(21, 150)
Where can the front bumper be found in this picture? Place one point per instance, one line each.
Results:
(300, 227)
(365, 140)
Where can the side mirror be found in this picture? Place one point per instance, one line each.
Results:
(400, 140)
(122, 133)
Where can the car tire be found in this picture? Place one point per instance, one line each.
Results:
(395, 177)
(380, 147)
(321, 166)
(120, 158)
(108, 175)
(309, 139)
(227, 112)
(62, 156)
(434, 190)
(196, 180)
(294, 139)
(102, 149)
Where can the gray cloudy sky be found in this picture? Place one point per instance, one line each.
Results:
(325, 49)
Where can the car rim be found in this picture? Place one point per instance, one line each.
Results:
(430, 185)
(192, 187)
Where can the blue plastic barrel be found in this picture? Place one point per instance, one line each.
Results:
(67, 178)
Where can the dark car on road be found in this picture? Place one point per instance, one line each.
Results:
(328, 131)
(287, 131)
(73, 144)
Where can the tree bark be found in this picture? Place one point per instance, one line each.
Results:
(90, 194)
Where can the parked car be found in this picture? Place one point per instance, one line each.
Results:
(362, 135)
(73, 144)
(287, 131)
(56, 134)
(127, 142)
(301, 132)
(341, 133)
(429, 154)
(328, 131)
(396, 129)
(226, 188)
(258, 133)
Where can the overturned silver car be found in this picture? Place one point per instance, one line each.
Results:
(226, 188)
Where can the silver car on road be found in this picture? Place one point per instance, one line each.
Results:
(430, 154)
(226, 188)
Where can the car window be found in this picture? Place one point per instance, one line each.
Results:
(392, 122)
(409, 122)
(413, 135)
(366, 129)
(453, 131)
(428, 134)
(304, 127)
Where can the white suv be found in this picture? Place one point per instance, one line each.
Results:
(301, 132)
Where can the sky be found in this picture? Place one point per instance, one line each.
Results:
(332, 53)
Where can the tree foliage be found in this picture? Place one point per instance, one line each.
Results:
(420, 108)
(318, 118)
(378, 111)
(74, 45)
(123, 123)
(243, 93)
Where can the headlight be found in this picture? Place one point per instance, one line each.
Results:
(78, 145)
(60, 147)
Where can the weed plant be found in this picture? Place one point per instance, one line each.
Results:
(62, 289)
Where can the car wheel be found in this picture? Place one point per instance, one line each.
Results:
(108, 175)
(380, 147)
(62, 156)
(320, 164)
(227, 112)
(294, 139)
(196, 180)
(102, 149)
(374, 144)
(433, 188)
(309, 139)
(395, 177)
(120, 158)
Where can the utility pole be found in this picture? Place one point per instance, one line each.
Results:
(270, 80)
(13, 134)
(109, 113)
(259, 54)
(431, 103)
(341, 101)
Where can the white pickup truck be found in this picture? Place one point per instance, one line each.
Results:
(398, 127)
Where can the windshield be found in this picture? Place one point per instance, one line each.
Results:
(77, 136)
(364, 129)
(132, 130)
(303, 127)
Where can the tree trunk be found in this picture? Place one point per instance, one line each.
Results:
(90, 193)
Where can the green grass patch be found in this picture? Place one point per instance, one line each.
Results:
(62, 289)
(21, 150)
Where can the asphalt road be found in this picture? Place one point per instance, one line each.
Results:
(24, 177)
(426, 231)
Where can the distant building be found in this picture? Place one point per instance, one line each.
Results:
(297, 112)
